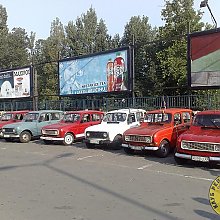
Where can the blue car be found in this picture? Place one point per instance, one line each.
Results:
(30, 127)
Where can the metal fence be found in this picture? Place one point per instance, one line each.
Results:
(195, 102)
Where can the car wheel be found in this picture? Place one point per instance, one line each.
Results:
(117, 142)
(90, 146)
(164, 149)
(25, 137)
(68, 139)
(128, 151)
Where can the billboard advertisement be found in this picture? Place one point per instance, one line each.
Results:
(103, 72)
(15, 83)
(204, 59)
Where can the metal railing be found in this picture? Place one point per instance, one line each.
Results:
(196, 102)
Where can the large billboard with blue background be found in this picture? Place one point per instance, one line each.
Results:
(108, 71)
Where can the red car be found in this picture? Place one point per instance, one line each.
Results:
(71, 127)
(202, 141)
(158, 132)
(11, 117)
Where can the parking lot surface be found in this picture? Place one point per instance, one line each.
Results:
(39, 181)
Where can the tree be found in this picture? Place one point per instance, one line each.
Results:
(139, 32)
(180, 19)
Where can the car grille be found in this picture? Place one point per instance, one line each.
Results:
(200, 146)
(8, 130)
(50, 132)
(136, 138)
(95, 134)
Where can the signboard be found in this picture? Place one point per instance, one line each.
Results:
(15, 83)
(204, 62)
(108, 71)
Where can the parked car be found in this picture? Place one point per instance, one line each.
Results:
(202, 141)
(158, 132)
(112, 127)
(11, 117)
(71, 127)
(30, 126)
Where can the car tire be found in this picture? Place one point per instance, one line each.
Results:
(164, 149)
(25, 137)
(117, 142)
(128, 151)
(68, 139)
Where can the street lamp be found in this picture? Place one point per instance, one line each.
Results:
(203, 4)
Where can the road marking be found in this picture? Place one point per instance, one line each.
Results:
(145, 166)
(82, 158)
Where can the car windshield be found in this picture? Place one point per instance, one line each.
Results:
(6, 117)
(115, 117)
(71, 117)
(212, 120)
(158, 118)
(31, 117)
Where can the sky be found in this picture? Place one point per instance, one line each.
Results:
(37, 15)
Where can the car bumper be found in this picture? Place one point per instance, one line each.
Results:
(190, 157)
(52, 138)
(140, 147)
(10, 136)
(98, 141)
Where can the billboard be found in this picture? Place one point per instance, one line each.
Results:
(204, 62)
(15, 83)
(103, 72)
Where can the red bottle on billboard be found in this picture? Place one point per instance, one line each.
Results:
(119, 69)
(110, 75)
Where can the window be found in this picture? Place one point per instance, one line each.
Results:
(186, 117)
(55, 116)
(131, 118)
(96, 117)
(177, 119)
(86, 118)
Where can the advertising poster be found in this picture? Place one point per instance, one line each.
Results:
(205, 62)
(15, 83)
(100, 73)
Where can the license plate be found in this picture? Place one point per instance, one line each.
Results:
(202, 159)
(94, 141)
(135, 147)
(6, 135)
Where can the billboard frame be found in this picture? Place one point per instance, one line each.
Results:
(189, 47)
(130, 70)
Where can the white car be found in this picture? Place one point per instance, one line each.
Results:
(112, 127)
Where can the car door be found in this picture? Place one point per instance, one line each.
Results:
(86, 121)
(43, 120)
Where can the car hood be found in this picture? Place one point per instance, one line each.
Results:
(149, 129)
(201, 135)
(2, 123)
(20, 124)
(104, 127)
(60, 125)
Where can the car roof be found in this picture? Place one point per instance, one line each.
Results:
(127, 110)
(16, 112)
(170, 110)
(208, 112)
(84, 111)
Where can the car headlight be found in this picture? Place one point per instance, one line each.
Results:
(3, 130)
(87, 134)
(148, 139)
(14, 130)
(184, 145)
(127, 138)
(217, 148)
(105, 134)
